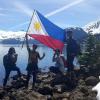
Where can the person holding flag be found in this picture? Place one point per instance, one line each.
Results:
(47, 33)
(32, 67)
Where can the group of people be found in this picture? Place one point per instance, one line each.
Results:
(9, 60)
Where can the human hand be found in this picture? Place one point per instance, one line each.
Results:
(15, 55)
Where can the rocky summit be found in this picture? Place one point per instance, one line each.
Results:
(50, 86)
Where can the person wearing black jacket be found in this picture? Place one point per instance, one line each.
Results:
(73, 50)
(9, 62)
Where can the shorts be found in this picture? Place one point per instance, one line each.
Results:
(32, 67)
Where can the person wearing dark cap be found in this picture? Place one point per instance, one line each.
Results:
(9, 62)
(32, 67)
(73, 50)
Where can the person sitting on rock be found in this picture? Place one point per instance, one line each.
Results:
(9, 62)
(59, 65)
(32, 67)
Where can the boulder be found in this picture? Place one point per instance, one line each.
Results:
(60, 88)
(2, 93)
(35, 96)
(45, 91)
(77, 95)
(59, 96)
(91, 81)
(84, 90)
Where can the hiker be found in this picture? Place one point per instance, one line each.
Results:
(32, 67)
(73, 49)
(59, 65)
(9, 62)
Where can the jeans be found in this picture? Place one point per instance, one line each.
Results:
(7, 73)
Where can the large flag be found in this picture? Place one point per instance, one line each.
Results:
(46, 32)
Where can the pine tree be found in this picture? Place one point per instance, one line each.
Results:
(91, 57)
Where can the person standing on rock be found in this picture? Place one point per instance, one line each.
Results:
(32, 67)
(73, 50)
(9, 62)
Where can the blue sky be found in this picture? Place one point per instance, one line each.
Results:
(14, 13)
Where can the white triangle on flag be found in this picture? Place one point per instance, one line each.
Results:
(36, 26)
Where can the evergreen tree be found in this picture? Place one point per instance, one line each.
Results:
(91, 56)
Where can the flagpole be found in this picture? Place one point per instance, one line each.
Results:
(28, 29)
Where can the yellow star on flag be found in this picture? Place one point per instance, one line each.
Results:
(37, 26)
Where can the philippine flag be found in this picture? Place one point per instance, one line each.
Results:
(46, 32)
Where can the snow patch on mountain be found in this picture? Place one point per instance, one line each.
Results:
(93, 27)
(12, 35)
(78, 33)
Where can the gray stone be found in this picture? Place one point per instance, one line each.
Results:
(91, 81)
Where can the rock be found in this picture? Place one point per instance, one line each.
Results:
(77, 95)
(64, 99)
(91, 81)
(83, 89)
(45, 91)
(2, 93)
(50, 86)
(35, 96)
(57, 88)
(81, 82)
(18, 82)
(59, 79)
(60, 96)
(60, 88)
(54, 69)
(6, 98)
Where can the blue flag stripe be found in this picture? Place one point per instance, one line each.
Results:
(53, 30)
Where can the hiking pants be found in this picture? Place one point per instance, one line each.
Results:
(7, 73)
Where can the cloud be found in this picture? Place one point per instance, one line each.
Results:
(1, 14)
(29, 11)
(19, 25)
(64, 8)
(23, 8)
(9, 10)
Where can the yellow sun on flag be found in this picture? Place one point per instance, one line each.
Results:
(37, 26)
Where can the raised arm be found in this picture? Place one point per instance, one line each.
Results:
(41, 57)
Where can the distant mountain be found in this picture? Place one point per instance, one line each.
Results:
(10, 37)
(78, 33)
(93, 27)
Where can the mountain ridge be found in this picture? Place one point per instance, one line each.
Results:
(14, 37)
(93, 27)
